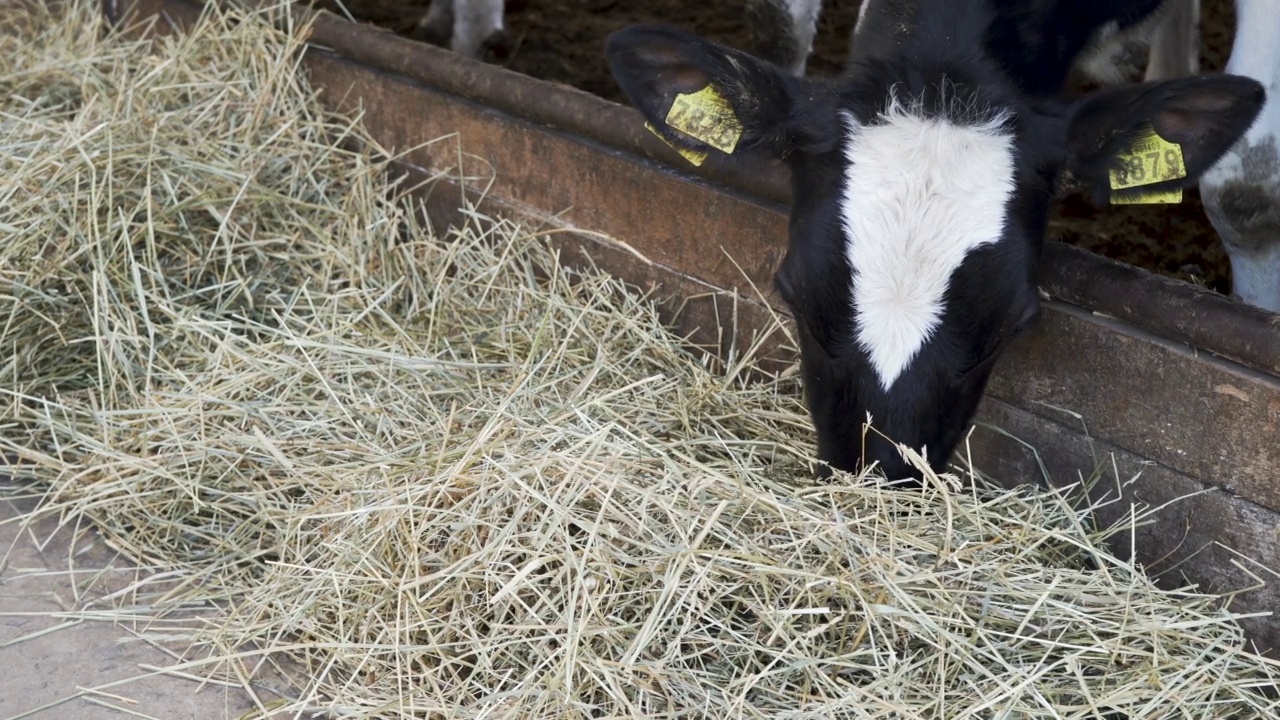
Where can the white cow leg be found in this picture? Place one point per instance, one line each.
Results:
(1175, 41)
(436, 27)
(474, 22)
(1241, 196)
(1255, 276)
(804, 27)
(783, 30)
(1241, 193)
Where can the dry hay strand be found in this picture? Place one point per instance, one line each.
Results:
(456, 480)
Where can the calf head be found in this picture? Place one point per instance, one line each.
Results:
(921, 183)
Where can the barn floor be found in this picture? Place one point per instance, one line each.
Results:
(53, 659)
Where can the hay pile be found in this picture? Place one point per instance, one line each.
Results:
(456, 481)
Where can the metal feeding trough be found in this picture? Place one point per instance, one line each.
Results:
(1129, 373)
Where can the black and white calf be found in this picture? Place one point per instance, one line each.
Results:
(922, 180)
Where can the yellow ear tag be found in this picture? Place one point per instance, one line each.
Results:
(697, 157)
(706, 116)
(1151, 159)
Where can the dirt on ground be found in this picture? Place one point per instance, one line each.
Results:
(563, 41)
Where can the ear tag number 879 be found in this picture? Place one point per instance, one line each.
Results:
(1150, 160)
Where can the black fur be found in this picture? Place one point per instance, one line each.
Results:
(1007, 57)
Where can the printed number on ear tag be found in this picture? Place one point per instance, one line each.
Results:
(1150, 160)
(706, 116)
(697, 157)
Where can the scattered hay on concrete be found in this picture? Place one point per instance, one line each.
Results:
(453, 480)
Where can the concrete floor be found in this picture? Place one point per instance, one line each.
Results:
(57, 664)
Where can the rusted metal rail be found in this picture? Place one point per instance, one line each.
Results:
(1143, 376)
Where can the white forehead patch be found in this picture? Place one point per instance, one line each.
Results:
(920, 194)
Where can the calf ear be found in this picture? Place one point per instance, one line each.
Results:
(1198, 118)
(700, 95)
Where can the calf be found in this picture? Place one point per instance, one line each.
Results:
(921, 184)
